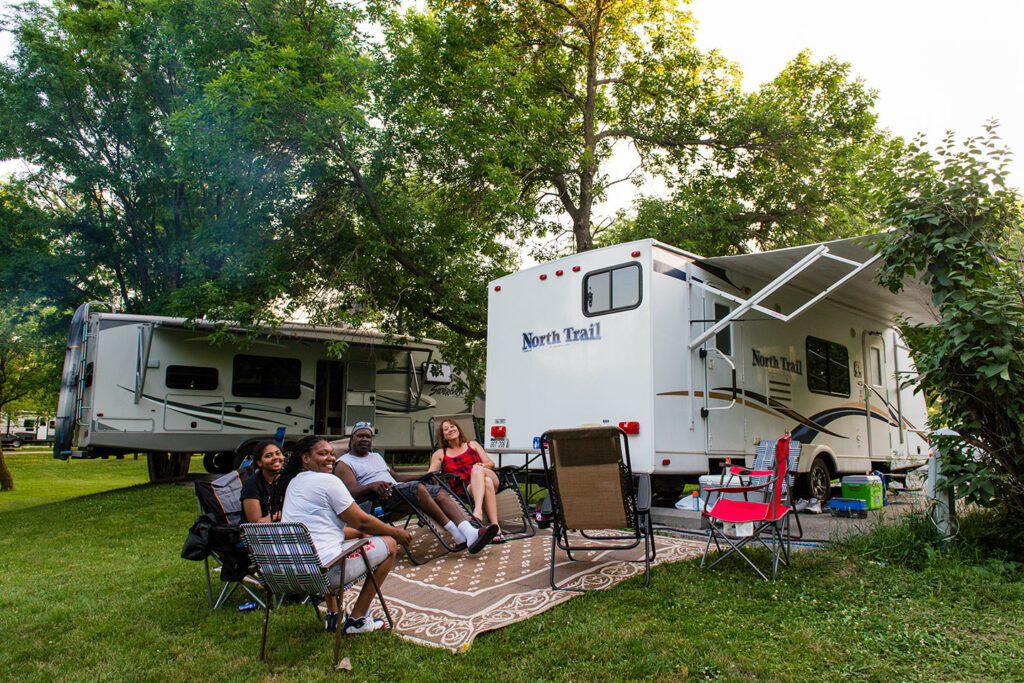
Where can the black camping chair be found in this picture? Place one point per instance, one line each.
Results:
(592, 487)
(220, 507)
(409, 509)
(513, 512)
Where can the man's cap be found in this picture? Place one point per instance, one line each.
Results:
(362, 425)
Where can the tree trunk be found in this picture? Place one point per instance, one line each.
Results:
(167, 466)
(6, 480)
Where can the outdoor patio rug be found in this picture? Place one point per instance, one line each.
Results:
(449, 600)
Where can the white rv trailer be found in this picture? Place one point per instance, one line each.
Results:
(150, 384)
(700, 358)
(23, 427)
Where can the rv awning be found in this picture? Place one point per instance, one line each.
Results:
(862, 293)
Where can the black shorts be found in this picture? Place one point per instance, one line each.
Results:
(408, 491)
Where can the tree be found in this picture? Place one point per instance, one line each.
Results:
(27, 367)
(544, 90)
(958, 229)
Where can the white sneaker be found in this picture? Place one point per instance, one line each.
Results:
(364, 624)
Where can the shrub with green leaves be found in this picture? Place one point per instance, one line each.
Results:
(958, 228)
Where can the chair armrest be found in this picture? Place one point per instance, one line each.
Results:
(735, 489)
(355, 547)
(744, 472)
(643, 492)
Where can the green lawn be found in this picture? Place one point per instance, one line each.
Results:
(92, 588)
(39, 478)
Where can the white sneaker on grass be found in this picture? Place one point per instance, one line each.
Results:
(364, 624)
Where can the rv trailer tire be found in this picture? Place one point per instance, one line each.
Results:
(223, 462)
(208, 463)
(818, 480)
(167, 466)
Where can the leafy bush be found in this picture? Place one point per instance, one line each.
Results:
(988, 540)
(957, 230)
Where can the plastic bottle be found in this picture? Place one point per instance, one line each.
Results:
(247, 606)
(695, 498)
(378, 512)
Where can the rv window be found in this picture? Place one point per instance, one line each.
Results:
(266, 377)
(876, 366)
(191, 377)
(723, 340)
(30, 424)
(611, 289)
(828, 367)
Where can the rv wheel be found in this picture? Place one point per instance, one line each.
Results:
(166, 466)
(818, 483)
(223, 462)
(208, 463)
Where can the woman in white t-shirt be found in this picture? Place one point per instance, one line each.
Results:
(318, 499)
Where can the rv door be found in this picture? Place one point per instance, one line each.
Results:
(876, 399)
(721, 357)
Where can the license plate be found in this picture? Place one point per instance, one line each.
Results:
(499, 443)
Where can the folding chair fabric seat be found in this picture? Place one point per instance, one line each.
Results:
(592, 487)
(287, 562)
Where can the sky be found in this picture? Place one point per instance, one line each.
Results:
(938, 65)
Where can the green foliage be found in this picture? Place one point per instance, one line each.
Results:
(956, 229)
(799, 160)
(987, 542)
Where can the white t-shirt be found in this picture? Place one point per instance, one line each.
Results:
(316, 499)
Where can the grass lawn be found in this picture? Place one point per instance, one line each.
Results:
(92, 588)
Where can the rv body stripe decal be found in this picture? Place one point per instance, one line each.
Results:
(214, 416)
(809, 427)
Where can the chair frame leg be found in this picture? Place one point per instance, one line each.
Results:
(266, 624)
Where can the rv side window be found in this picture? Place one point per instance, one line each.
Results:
(828, 367)
(191, 377)
(723, 340)
(266, 377)
(611, 289)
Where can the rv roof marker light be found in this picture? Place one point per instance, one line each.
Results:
(635, 254)
(630, 427)
(498, 432)
(543, 276)
(666, 462)
(497, 288)
(559, 273)
(575, 269)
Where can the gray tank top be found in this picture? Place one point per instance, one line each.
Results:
(368, 468)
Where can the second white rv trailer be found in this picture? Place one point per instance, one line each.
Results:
(698, 359)
(23, 427)
(151, 384)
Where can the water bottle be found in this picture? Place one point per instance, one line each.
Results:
(695, 504)
(248, 606)
(378, 512)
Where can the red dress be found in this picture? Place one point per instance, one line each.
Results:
(462, 465)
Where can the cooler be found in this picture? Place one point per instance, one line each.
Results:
(716, 481)
(866, 487)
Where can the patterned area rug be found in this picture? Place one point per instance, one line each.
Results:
(448, 601)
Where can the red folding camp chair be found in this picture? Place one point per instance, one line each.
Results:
(770, 519)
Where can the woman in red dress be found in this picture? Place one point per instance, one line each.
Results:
(475, 469)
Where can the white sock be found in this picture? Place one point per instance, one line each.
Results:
(454, 531)
(468, 531)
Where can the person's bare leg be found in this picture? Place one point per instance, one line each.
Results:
(478, 490)
(491, 496)
(450, 508)
(367, 593)
(441, 510)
